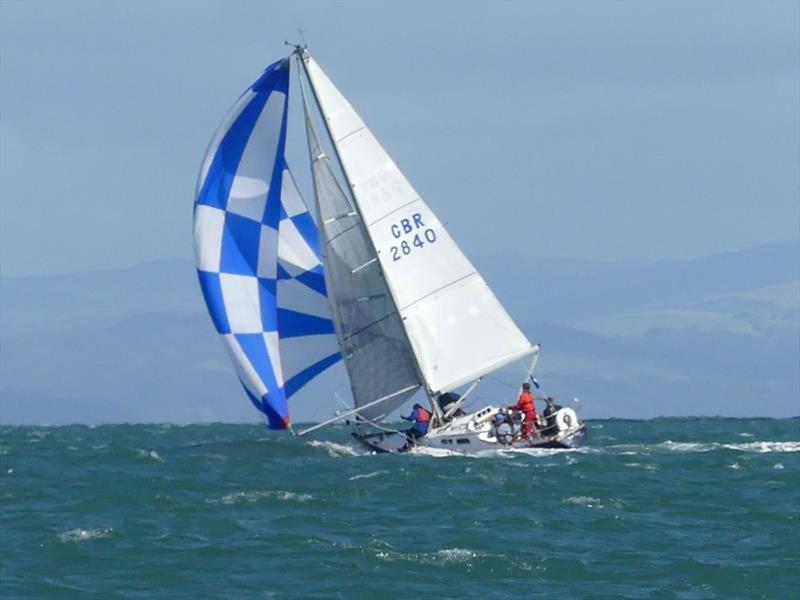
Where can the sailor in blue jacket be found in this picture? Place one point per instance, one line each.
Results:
(421, 418)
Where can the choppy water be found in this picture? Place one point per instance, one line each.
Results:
(669, 508)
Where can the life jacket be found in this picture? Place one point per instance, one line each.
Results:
(525, 403)
(423, 416)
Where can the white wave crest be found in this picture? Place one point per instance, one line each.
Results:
(645, 466)
(142, 453)
(82, 535)
(762, 447)
(687, 446)
(445, 556)
(587, 501)
(366, 475)
(255, 496)
(434, 452)
(758, 447)
(778, 466)
(455, 555)
(335, 450)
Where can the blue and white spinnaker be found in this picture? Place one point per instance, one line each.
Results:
(258, 255)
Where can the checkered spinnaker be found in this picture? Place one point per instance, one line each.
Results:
(258, 255)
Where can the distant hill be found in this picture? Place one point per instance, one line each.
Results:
(719, 335)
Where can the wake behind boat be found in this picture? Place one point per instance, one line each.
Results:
(374, 280)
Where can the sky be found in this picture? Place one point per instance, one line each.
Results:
(626, 131)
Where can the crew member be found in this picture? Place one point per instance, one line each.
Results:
(446, 400)
(421, 418)
(527, 406)
(550, 414)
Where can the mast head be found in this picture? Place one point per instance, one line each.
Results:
(300, 49)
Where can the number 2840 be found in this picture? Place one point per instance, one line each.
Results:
(418, 241)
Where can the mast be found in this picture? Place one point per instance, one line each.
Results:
(337, 319)
(455, 326)
(301, 53)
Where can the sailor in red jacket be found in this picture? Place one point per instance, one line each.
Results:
(527, 406)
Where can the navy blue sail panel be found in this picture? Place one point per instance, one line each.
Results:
(257, 253)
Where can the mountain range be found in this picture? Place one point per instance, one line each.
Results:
(713, 336)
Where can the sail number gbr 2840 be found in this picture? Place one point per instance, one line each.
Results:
(414, 233)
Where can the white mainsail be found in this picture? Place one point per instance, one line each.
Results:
(456, 327)
(373, 344)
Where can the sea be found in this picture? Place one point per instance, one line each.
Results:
(663, 508)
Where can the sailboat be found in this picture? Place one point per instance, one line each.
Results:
(373, 279)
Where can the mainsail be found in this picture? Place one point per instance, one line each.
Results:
(376, 352)
(257, 252)
(457, 329)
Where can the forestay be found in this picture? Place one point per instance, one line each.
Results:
(455, 324)
(257, 252)
(371, 336)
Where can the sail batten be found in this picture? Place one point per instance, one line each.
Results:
(377, 356)
(456, 327)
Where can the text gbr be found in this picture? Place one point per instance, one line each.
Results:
(405, 227)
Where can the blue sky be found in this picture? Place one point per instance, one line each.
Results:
(613, 131)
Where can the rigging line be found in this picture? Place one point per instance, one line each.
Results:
(491, 377)
(379, 426)
(355, 411)
(303, 58)
(456, 405)
(311, 136)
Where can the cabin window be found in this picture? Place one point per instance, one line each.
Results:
(462, 441)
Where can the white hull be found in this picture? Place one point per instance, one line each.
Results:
(473, 434)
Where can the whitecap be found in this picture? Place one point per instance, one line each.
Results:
(687, 446)
(455, 555)
(445, 556)
(292, 496)
(142, 453)
(763, 447)
(82, 535)
(255, 496)
(645, 466)
(746, 435)
(335, 450)
(735, 466)
(587, 501)
(536, 452)
(758, 447)
(434, 452)
(778, 466)
(366, 475)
